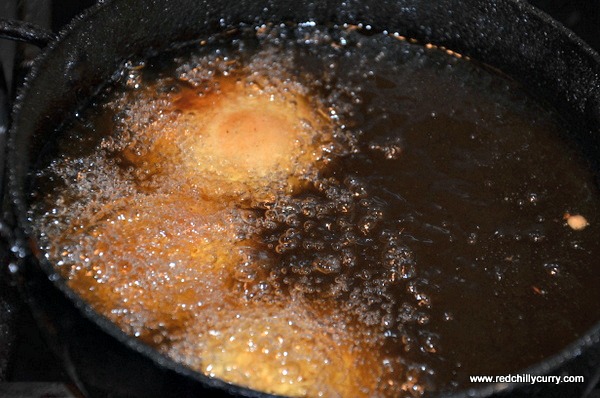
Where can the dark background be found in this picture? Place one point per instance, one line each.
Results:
(24, 356)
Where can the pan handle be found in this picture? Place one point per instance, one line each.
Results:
(37, 36)
(26, 32)
(29, 33)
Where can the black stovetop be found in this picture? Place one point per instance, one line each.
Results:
(25, 360)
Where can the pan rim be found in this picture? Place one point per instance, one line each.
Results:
(17, 197)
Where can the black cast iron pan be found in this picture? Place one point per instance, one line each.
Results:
(506, 34)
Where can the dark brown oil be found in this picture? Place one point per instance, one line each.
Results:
(437, 227)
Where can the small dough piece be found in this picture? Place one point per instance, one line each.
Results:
(577, 222)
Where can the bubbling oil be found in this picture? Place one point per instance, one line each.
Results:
(325, 211)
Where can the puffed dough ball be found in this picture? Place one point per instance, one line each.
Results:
(245, 140)
(287, 347)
